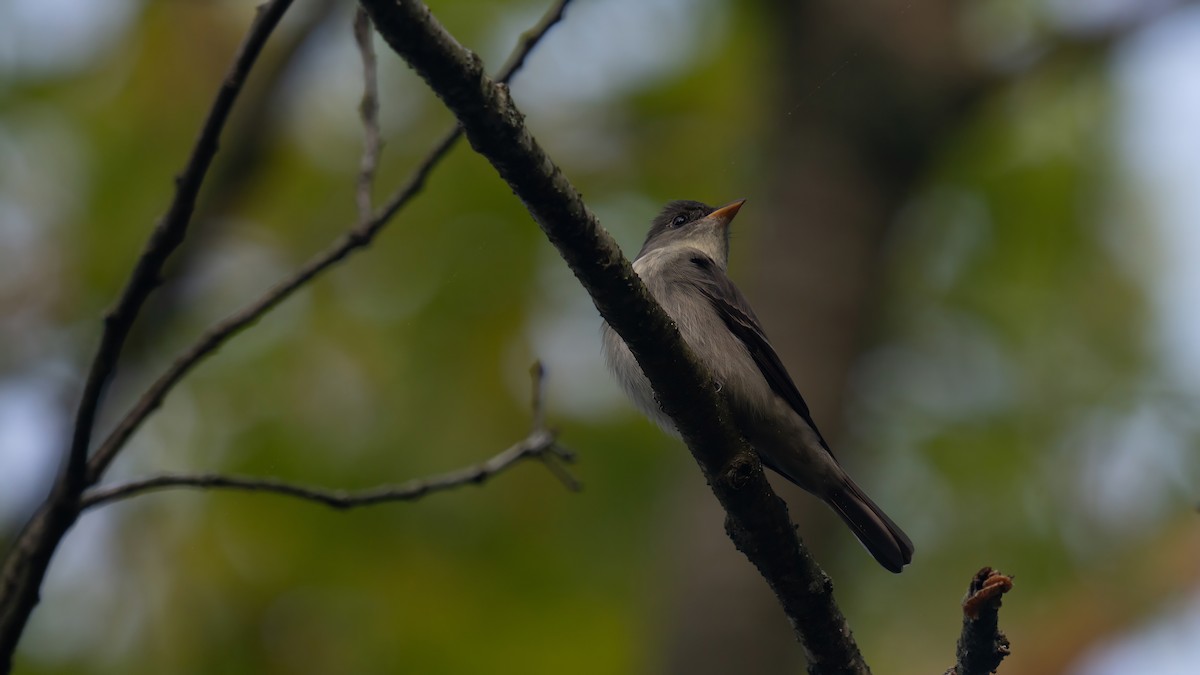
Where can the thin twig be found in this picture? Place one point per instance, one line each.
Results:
(538, 374)
(537, 444)
(358, 237)
(525, 45)
(982, 645)
(529, 39)
(167, 235)
(26, 564)
(368, 110)
(541, 443)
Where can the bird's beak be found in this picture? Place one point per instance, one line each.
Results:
(725, 214)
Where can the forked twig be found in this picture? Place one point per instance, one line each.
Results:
(26, 563)
(167, 235)
(356, 238)
(541, 443)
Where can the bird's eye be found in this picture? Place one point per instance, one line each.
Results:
(678, 220)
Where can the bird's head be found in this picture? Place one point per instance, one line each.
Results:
(693, 225)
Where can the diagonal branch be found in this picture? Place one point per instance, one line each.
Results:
(529, 39)
(356, 238)
(26, 564)
(757, 519)
(167, 236)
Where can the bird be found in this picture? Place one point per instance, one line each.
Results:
(683, 264)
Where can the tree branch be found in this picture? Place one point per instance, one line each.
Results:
(757, 519)
(26, 564)
(541, 443)
(167, 236)
(368, 110)
(356, 238)
(25, 567)
(982, 645)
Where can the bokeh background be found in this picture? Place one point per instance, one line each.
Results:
(972, 233)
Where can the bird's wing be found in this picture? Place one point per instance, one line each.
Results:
(735, 311)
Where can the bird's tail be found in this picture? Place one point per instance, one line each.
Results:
(878, 533)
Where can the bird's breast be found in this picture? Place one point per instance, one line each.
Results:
(721, 352)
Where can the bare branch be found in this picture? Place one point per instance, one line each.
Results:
(539, 444)
(368, 110)
(167, 235)
(25, 567)
(982, 645)
(529, 39)
(757, 519)
(538, 373)
(356, 238)
(217, 334)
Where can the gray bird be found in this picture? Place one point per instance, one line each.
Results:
(683, 264)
